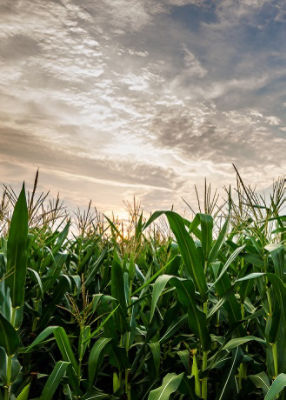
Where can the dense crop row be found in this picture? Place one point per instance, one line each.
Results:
(198, 315)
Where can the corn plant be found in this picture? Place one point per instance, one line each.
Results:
(106, 311)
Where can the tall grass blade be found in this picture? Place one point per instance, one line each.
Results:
(190, 254)
(17, 251)
(54, 380)
(224, 393)
(95, 358)
(9, 338)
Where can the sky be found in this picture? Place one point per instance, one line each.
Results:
(116, 98)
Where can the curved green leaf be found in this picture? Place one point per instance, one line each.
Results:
(36, 277)
(158, 288)
(277, 386)
(233, 343)
(197, 319)
(65, 347)
(95, 358)
(54, 380)
(260, 381)
(230, 260)
(96, 265)
(190, 254)
(24, 395)
(227, 382)
(9, 338)
(218, 243)
(170, 384)
(41, 337)
(170, 264)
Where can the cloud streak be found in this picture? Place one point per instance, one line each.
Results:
(145, 96)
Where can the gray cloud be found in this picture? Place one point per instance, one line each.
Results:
(136, 95)
(17, 47)
(33, 150)
(240, 137)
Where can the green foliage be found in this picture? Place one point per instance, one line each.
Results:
(54, 380)
(170, 384)
(277, 386)
(132, 314)
(17, 251)
(9, 338)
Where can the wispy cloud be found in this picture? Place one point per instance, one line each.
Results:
(145, 96)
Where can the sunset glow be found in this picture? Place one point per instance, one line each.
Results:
(112, 99)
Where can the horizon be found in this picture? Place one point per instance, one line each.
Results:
(144, 99)
(215, 198)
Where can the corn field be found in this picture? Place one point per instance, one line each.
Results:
(105, 311)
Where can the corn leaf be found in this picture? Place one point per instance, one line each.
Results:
(9, 338)
(156, 354)
(95, 358)
(206, 222)
(65, 347)
(197, 319)
(54, 380)
(277, 386)
(158, 288)
(190, 254)
(170, 384)
(17, 251)
(218, 243)
(228, 381)
(24, 395)
(233, 343)
(261, 381)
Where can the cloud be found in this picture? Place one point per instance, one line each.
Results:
(231, 136)
(36, 151)
(17, 47)
(193, 66)
(232, 12)
(138, 96)
(180, 3)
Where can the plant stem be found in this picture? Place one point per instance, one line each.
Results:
(241, 374)
(127, 385)
(273, 345)
(205, 379)
(8, 375)
(275, 358)
(205, 362)
(13, 316)
(195, 373)
(9, 362)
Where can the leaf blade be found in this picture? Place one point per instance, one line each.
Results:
(17, 251)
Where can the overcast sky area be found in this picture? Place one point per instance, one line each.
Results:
(115, 98)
